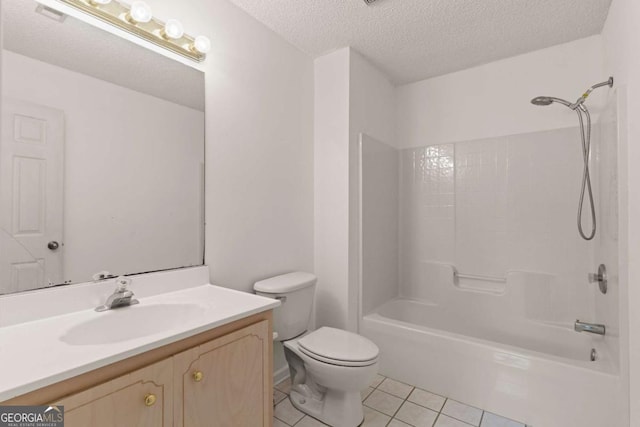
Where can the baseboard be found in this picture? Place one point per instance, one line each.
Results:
(281, 374)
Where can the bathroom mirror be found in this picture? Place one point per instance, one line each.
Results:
(101, 154)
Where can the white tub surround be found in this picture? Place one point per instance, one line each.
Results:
(52, 335)
(491, 272)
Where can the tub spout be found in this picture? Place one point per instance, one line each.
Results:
(592, 328)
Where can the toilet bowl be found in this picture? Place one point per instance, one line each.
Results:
(328, 388)
(329, 367)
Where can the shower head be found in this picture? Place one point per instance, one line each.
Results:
(548, 100)
(542, 101)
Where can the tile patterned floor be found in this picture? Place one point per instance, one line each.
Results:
(391, 403)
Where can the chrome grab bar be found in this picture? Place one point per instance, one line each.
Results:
(458, 275)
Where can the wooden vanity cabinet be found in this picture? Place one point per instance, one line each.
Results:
(222, 377)
(141, 398)
(224, 382)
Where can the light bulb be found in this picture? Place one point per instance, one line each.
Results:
(201, 44)
(173, 29)
(100, 2)
(140, 12)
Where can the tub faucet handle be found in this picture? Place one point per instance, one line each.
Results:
(595, 278)
(600, 278)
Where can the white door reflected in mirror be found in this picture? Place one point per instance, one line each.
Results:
(31, 195)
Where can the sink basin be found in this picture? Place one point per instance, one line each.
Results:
(129, 323)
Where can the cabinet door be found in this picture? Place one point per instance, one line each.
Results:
(226, 382)
(143, 398)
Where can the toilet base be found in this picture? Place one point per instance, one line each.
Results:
(337, 409)
(327, 392)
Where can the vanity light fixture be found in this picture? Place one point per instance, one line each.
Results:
(139, 21)
(140, 13)
(201, 44)
(173, 29)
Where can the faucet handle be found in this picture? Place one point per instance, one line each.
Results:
(122, 282)
(600, 278)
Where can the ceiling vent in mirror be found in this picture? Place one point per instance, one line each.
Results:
(138, 20)
(51, 13)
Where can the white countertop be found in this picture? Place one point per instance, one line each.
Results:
(36, 353)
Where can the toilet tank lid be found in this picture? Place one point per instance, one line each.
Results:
(285, 283)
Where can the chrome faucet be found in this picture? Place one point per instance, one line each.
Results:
(121, 297)
(592, 328)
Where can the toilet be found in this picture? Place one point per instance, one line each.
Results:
(329, 367)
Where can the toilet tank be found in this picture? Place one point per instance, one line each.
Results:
(295, 291)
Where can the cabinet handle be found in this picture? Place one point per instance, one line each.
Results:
(150, 399)
(198, 376)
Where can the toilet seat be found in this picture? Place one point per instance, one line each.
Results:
(339, 347)
(343, 363)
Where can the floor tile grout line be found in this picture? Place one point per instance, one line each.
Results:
(443, 405)
(397, 410)
(394, 414)
(425, 407)
(436, 420)
(427, 391)
(462, 421)
(282, 421)
(381, 413)
(407, 400)
(457, 419)
(417, 404)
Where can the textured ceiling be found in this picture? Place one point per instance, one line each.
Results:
(80, 47)
(412, 40)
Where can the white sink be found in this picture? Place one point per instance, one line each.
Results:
(127, 323)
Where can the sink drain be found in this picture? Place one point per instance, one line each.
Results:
(594, 354)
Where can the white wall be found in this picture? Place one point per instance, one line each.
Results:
(332, 188)
(493, 99)
(133, 175)
(371, 112)
(621, 36)
(371, 101)
(259, 145)
(352, 97)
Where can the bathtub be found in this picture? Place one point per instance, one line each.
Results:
(534, 372)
